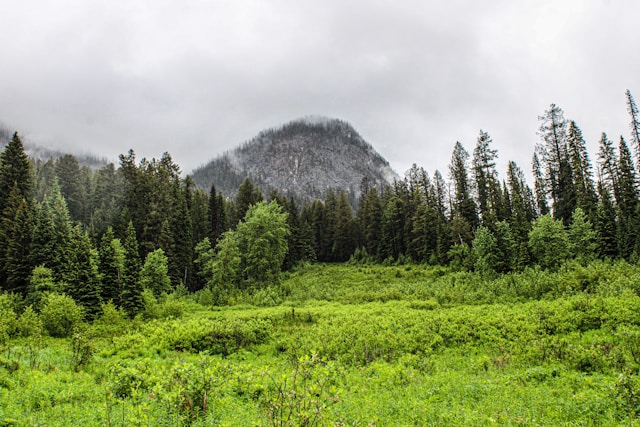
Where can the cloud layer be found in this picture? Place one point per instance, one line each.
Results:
(198, 77)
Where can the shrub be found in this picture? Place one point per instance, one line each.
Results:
(60, 315)
(29, 323)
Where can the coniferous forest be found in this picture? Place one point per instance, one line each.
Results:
(507, 302)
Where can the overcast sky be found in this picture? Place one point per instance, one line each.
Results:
(198, 77)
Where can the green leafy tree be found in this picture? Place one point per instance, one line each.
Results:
(485, 251)
(582, 237)
(548, 242)
(226, 268)
(154, 275)
(60, 315)
(262, 240)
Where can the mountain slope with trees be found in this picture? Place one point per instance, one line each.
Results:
(304, 158)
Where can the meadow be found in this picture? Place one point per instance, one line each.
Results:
(344, 345)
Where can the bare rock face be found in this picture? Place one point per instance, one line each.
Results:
(303, 158)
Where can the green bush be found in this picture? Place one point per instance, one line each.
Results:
(60, 315)
(29, 323)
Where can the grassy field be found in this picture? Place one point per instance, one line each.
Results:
(345, 345)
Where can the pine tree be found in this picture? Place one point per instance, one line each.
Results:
(111, 265)
(627, 202)
(248, 195)
(392, 243)
(555, 156)
(634, 125)
(15, 170)
(486, 179)
(523, 212)
(586, 197)
(131, 294)
(82, 278)
(106, 199)
(68, 174)
(344, 233)
(605, 224)
(540, 186)
(370, 217)
(465, 214)
(16, 231)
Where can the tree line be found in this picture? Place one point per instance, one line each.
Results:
(108, 234)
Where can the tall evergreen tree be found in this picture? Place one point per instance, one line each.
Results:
(464, 208)
(111, 266)
(540, 186)
(82, 278)
(628, 221)
(486, 179)
(584, 187)
(131, 294)
(558, 171)
(69, 175)
(632, 108)
(16, 231)
(248, 195)
(605, 223)
(344, 231)
(15, 170)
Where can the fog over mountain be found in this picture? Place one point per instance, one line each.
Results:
(304, 157)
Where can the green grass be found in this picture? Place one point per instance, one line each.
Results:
(351, 345)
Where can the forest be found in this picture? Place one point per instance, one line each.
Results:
(506, 303)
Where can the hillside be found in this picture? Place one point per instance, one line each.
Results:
(304, 157)
(39, 153)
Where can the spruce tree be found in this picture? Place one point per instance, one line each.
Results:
(464, 208)
(71, 188)
(248, 195)
(16, 231)
(111, 266)
(605, 224)
(632, 108)
(486, 179)
(344, 231)
(586, 197)
(131, 295)
(555, 157)
(15, 170)
(83, 279)
(540, 186)
(370, 217)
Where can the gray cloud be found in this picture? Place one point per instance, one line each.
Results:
(196, 77)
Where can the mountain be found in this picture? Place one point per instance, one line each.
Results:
(303, 158)
(39, 153)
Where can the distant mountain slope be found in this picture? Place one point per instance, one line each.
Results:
(37, 152)
(305, 157)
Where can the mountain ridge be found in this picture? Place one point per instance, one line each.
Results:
(305, 157)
